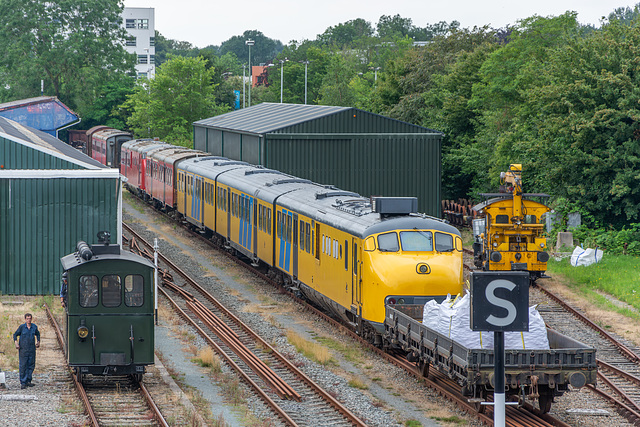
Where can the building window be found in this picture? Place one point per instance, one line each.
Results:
(143, 24)
(131, 23)
(152, 59)
(152, 41)
(131, 41)
(141, 75)
(142, 59)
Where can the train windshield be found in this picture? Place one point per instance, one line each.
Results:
(388, 242)
(444, 242)
(416, 240)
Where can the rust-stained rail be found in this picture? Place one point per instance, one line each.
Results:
(81, 391)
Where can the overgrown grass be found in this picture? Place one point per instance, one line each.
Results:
(358, 383)
(351, 353)
(617, 275)
(311, 350)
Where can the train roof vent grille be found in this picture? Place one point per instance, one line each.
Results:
(357, 207)
(335, 194)
(288, 181)
(224, 163)
(257, 171)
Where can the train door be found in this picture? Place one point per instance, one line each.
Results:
(228, 213)
(294, 243)
(356, 284)
(256, 208)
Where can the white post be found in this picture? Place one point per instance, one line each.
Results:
(155, 276)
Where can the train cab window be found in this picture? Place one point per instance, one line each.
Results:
(444, 242)
(370, 244)
(134, 290)
(111, 290)
(530, 219)
(88, 291)
(416, 241)
(502, 219)
(388, 242)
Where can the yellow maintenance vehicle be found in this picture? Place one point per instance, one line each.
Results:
(509, 234)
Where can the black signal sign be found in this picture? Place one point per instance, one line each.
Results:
(500, 301)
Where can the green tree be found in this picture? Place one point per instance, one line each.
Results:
(578, 128)
(263, 51)
(346, 34)
(166, 107)
(72, 45)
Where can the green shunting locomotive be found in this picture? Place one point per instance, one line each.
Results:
(109, 325)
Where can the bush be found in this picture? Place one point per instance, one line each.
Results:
(625, 241)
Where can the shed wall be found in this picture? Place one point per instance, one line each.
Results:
(42, 220)
(383, 165)
(18, 156)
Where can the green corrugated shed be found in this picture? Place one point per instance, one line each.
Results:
(350, 148)
(51, 196)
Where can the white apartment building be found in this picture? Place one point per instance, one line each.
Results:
(140, 25)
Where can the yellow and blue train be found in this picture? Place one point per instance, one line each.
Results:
(349, 254)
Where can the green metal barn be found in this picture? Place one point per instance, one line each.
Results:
(350, 148)
(51, 196)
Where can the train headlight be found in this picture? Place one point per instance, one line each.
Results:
(391, 301)
(423, 268)
(543, 257)
(496, 256)
(83, 332)
(401, 301)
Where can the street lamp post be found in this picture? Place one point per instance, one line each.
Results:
(244, 83)
(306, 64)
(250, 43)
(375, 73)
(282, 61)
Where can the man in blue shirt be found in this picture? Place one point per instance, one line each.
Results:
(28, 333)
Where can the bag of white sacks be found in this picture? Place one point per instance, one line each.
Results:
(584, 257)
(452, 318)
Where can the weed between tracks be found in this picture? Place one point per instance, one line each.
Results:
(311, 350)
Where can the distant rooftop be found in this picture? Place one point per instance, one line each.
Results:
(45, 113)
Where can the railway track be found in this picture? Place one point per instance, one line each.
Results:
(294, 397)
(618, 360)
(114, 400)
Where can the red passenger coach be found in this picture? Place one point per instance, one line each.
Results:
(106, 145)
(162, 163)
(135, 152)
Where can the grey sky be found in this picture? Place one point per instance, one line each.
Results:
(204, 23)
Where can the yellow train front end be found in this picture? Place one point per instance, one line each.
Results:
(410, 266)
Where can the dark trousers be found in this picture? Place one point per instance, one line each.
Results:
(27, 364)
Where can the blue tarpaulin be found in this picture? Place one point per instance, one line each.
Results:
(45, 113)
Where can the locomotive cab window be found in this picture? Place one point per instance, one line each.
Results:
(502, 219)
(134, 290)
(111, 290)
(416, 241)
(530, 219)
(444, 242)
(388, 242)
(88, 291)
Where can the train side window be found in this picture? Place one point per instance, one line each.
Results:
(289, 229)
(458, 244)
(315, 234)
(388, 242)
(134, 290)
(444, 242)
(346, 255)
(355, 258)
(370, 244)
(301, 232)
(502, 219)
(111, 290)
(269, 221)
(307, 236)
(88, 291)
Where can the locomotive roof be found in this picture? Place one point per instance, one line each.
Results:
(74, 260)
(109, 133)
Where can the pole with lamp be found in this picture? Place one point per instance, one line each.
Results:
(282, 61)
(244, 83)
(306, 64)
(375, 73)
(250, 43)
